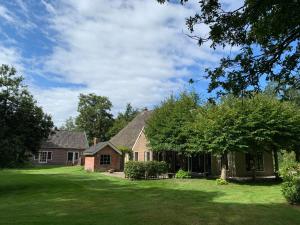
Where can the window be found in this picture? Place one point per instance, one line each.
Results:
(73, 157)
(76, 155)
(147, 156)
(136, 156)
(70, 156)
(258, 159)
(43, 157)
(49, 156)
(104, 159)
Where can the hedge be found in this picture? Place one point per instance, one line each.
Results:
(144, 170)
(290, 173)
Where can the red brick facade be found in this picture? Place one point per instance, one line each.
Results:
(92, 163)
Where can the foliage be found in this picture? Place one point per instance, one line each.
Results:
(181, 174)
(125, 150)
(69, 125)
(261, 123)
(23, 125)
(94, 116)
(165, 129)
(144, 170)
(122, 120)
(221, 181)
(266, 34)
(155, 168)
(135, 170)
(290, 173)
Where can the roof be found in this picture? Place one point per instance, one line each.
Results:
(128, 135)
(66, 139)
(96, 148)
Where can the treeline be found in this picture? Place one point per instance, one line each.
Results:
(261, 122)
(95, 118)
(23, 124)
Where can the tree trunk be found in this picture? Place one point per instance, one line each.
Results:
(276, 164)
(253, 171)
(224, 166)
(223, 172)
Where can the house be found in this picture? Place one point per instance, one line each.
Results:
(62, 148)
(103, 156)
(106, 155)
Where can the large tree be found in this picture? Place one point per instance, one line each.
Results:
(69, 125)
(122, 119)
(258, 124)
(267, 34)
(94, 116)
(165, 129)
(23, 125)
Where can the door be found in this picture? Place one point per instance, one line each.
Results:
(73, 157)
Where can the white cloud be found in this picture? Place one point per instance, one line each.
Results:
(5, 14)
(130, 51)
(12, 57)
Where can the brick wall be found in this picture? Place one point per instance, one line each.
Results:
(89, 163)
(141, 147)
(115, 160)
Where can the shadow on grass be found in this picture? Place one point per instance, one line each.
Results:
(95, 199)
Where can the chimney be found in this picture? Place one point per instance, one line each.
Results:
(95, 141)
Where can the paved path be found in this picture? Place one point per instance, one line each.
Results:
(115, 174)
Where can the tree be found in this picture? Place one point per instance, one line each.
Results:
(94, 116)
(23, 125)
(122, 120)
(267, 34)
(69, 125)
(258, 124)
(165, 129)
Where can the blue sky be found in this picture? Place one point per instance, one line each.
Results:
(131, 51)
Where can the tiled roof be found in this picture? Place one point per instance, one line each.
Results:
(95, 148)
(66, 139)
(128, 135)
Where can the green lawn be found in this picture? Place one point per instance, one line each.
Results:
(69, 195)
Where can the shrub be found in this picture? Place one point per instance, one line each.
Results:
(221, 181)
(140, 170)
(134, 170)
(290, 173)
(181, 174)
(155, 168)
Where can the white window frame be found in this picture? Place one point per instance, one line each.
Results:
(40, 154)
(73, 156)
(136, 158)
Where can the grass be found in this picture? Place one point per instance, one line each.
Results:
(69, 195)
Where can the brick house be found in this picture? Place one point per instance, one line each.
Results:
(62, 148)
(133, 137)
(102, 157)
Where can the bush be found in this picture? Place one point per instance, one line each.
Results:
(181, 174)
(134, 170)
(290, 173)
(144, 170)
(221, 181)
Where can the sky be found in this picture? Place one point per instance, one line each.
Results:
(132, 51)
